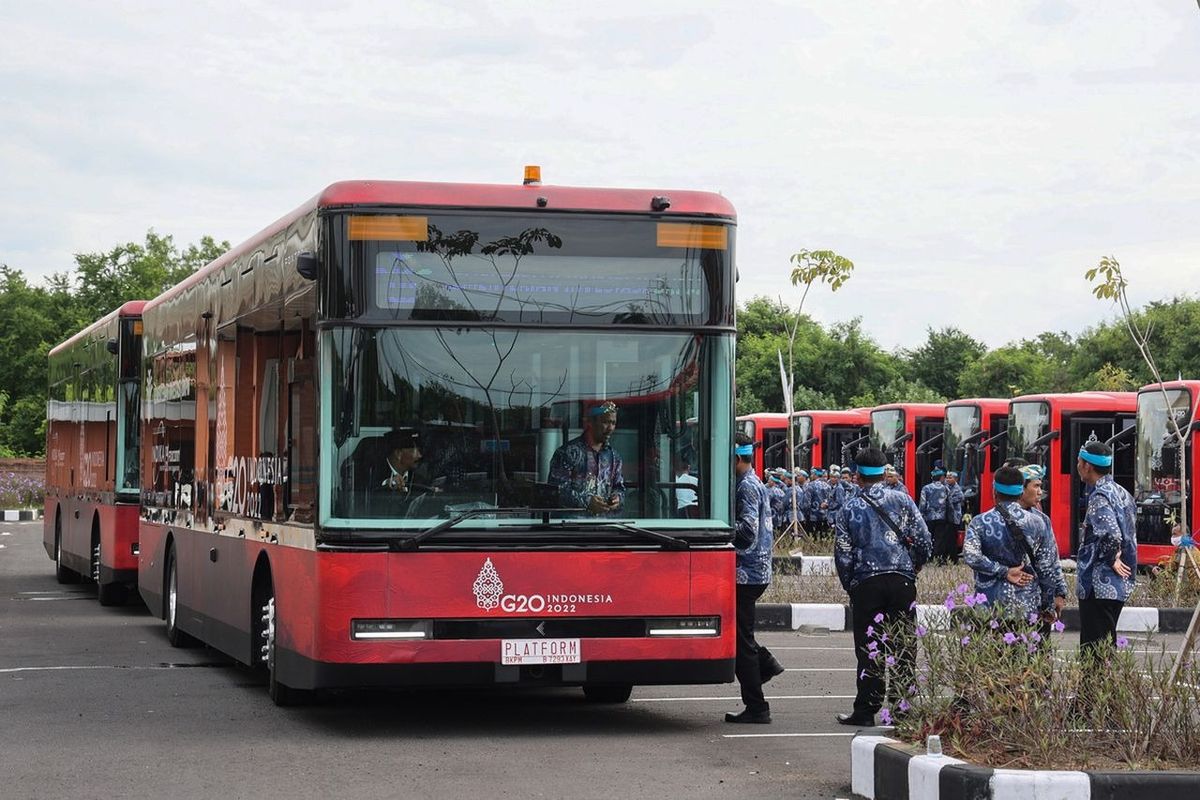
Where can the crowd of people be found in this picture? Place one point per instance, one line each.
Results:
(882, 539)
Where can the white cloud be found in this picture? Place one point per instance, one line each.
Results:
(972, 158)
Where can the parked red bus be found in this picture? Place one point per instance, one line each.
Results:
(1156, 471)
(972, 442)
(479, 326)
(828, 437)
(1049, 429)
(90, 527)
(769, 432)
(910, 435)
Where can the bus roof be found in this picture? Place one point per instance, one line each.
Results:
(132, 308)
(764, 416)
(851, 416)
(989, 405)
(471, 196)
(918, 408)
(1074, 401)
(1194, 386)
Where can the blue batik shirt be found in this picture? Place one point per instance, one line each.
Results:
(581, 473)
(866, 546)
(837, 497)
(1107, 529)
(818, 492)
(777, 495)
(897, 487)
(935, 499)
(753, 536)
(990, 550)
(801, 493)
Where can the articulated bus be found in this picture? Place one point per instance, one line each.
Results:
(1049, 429)
(972, 446)
(823, 438)
(769, 432)
(910, 435)
(90, 527)
(349, 423)
(1156, 471)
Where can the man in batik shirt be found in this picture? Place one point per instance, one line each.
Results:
(587, 470)
(935, 509)
(891, 480)
(817, 495)
(1012, 550)
(1107, 555)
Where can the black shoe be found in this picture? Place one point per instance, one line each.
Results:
(857, 720)
(753, 717)
(770, 668)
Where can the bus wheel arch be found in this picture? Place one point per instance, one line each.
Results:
(264, 621)
(109, 594)
(175, 636)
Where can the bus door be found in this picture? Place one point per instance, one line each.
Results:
(1081, 431)
(927, 451)
(774, 448)
(842, 442)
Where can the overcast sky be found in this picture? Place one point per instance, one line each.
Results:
(971, 158)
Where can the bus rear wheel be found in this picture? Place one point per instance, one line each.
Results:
(607, 693)
(61, 573)
(175, 637)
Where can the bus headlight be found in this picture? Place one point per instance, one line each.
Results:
(684, 626)
(389, 629)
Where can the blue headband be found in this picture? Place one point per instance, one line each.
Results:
(1093, 458)
(1013, 489)
(604, 408)
(871, 471)
(743, 450)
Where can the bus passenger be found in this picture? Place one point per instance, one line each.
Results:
(587, 470)
(753, 540)
(1013, 553)
(1108, 551)
(687, 502)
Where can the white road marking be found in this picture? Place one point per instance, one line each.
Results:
(820, 669)
(796, 647)
(781, 735)
(733, 698)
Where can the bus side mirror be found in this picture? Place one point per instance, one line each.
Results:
(111, 345)
(307, 265)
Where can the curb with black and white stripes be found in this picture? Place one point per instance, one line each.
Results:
(20, 514)
(836, 616)
(885, 769)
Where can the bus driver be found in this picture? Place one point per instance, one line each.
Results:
(587, 470)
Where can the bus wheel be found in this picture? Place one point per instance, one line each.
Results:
(281, 694)
(175, 637)
(109, 594)
(63, 574)
(618, 693)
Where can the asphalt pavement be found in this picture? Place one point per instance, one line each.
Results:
(95, 704)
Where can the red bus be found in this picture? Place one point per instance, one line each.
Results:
(477, 326)
(769, 432)
(90, 527)
(1157, 457)
(1049, 429)
(972, 442)
(910, 435)
(828, 437)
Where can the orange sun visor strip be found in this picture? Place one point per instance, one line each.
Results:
(389, 229)
(693, 236)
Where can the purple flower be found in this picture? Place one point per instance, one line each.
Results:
(950, 603)
(1033, 617)
(874, 655)
(969, 600)
(885, 716)
(1010, 637)
(966, 640)
(862, 675)
(921, 631)
(1032, 648)
(1059, 626)
(912, 606)
(1035, 636)
(993, 624)
(922, 678)
(890, 661)
(963, 588)
(980, 598)
(883, 638)
(879, 617)
(904, 705)
(1122, 643)
(870, 630)
(872, 646)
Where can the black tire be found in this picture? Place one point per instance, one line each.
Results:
(175, 637)
(61, 573)
(281, 694)
(607, 693)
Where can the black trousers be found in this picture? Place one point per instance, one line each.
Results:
(1098, 621)
(893, 596)
(945, 540)
(746, 664)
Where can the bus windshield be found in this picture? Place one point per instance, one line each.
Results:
(962, 422)
(802, 427)
(1158, 452)
(886, 427)
(1027, 423)
(495, 419)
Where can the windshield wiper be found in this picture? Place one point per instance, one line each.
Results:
(414, 542)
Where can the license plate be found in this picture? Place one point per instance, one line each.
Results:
(539, 651)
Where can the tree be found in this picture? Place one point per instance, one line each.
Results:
(941, 360)
(1004, 372)
(897, 390)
